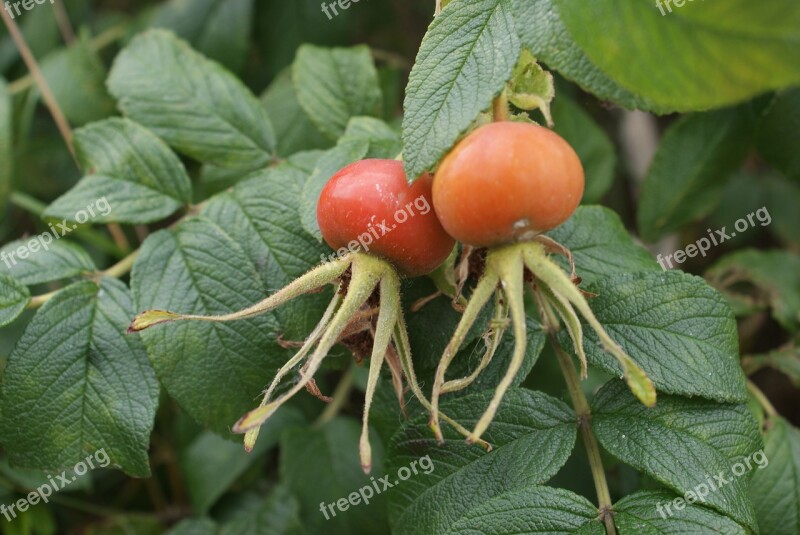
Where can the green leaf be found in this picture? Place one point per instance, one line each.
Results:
(646, 513)
(261, 215)
(532, 509)
(595, 150)
(219, 29)
(601, 245)
(194, 526)
(774, 275)
(779, 131)
(741, 48)
(76, 76)
(76, 384)
(137, 174)
(775, 489)
(212, 464)
(682, 443)
(279, 514)
(365, 137)
(531, 87)
(676, 327)
(321, 465)
(533, 435)
(60, 260)
(541, 30)
(192, 103)
(694, 159)
(6, 143)
(14, 297)
(293, 128)
(335, 84)
(215, 371)
(464, 61)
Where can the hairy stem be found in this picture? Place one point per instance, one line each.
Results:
(559, 283)
(583, 412)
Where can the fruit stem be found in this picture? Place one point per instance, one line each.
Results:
(583, 411)
(500, 107)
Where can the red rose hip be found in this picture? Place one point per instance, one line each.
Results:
(370, 206)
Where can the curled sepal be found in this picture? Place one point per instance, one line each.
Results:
(497, 327)
(387, 319)
(314, 279)
(480, 296)
(550, 274)
(571, 322)
(509, 265)
(366, 272)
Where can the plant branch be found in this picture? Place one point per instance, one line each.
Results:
(64, 25)
(27, 203)
(118, 236)
(39, 300)
(122, 267)
(98, 43)
(583, 411)
(38, 77)
(762, 399)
